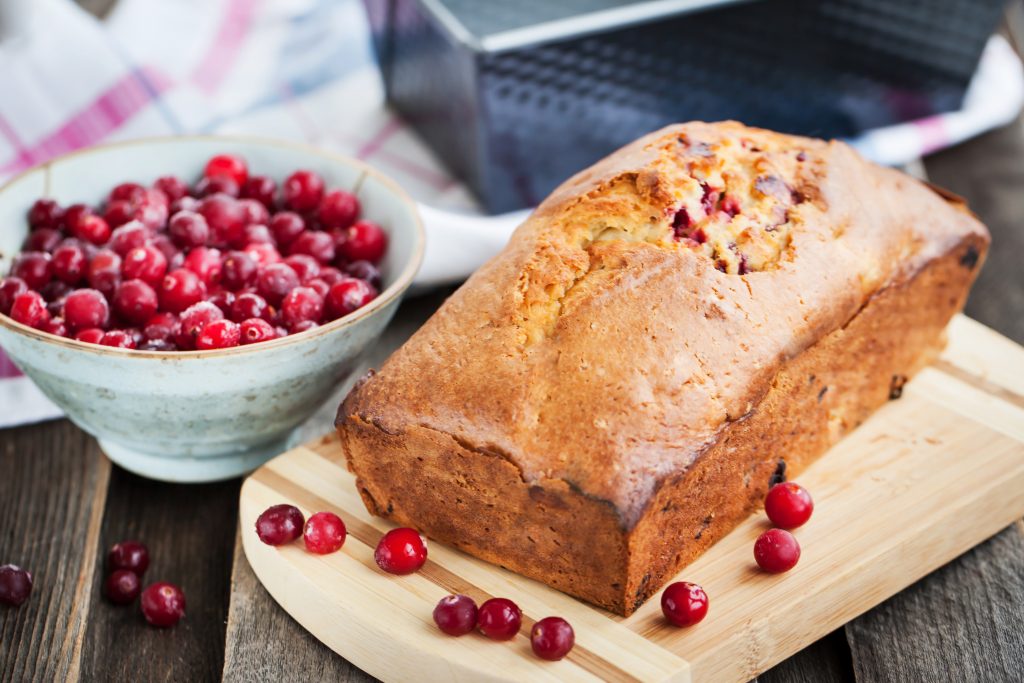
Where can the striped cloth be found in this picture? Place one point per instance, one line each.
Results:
(294, 69)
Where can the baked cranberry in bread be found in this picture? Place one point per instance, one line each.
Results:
(614, 392)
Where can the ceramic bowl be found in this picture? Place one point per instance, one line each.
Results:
(202, 415)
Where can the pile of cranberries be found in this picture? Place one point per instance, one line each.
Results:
(163, 604)
(231, 260)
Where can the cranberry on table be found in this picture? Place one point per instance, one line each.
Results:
(324, 533)
(302, 191)
(285, 226)
(552, 638)
(10, 288)
(220, 334)
(91, 335)
(261, 188)
(188, 229)
(455, 614)
(788, 505)
(280, 524)
(85, 308)
(15, 585)
(130, 555)
(274, 281)
(90, 228)
(146, 263)
(684, 603)
(174, 188)
(122, 587)
(180, 289)
(227, 165)
(338, 209)
(163, 604)
(34, 267)
(45, 213)
(401, 551)
(30, 309)
(347, 296)
(776, 551)
(256, 330)
(118, 339)
(499, 619)
(363, 241)
(135, 301)
(70, 263)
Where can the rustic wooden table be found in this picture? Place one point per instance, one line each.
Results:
(62, 504)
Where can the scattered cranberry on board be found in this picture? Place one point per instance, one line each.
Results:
(163, 604)
(15, 585)
(499, 619)
(788, 505)
(401, 551)
(776, 551)
(324, 533)
(280, 524)
(552, 638)
(130, 555)
(122, 587)
(684, 603)
(456, 615)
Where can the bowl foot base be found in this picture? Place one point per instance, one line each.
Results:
(193, 469)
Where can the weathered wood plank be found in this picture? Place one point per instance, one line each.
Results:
(52, 492)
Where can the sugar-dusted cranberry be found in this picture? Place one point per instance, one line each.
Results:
(43, 239)
(788, 505)
(15, 585)
(186, 203)
(119, 339)
(163, 604)
(228, 165)
(225, 218)
(91, 335)
(29, 308)
(684, 603)
(338, 209)
(135, 301)
(319, 285)
(363, 241)
(256, 330)
(160, 327)
(258, 234)
(220, 334)
(75, 213)
(280, 524)
(45, 213)
(455, 614)
(127, 192)
(104, 272)
(255, 212)
(122, 587)
(776, 551)
(173, 187)
(10, 288)
(223, 299)
(193, 320)
(285, 226)
(315, 243)
(90, 228)
(262, 253)
(34, 267)
(303, 326)
(56, 326)
(300, 305)
(302, 191)
(69, 263)
(206, 263)
(275, 281)
(552, 638)
(364, 270)
(152, 209)
(127, 237)
(218, 185)
(401, 551)
(119, 212)
(347, 296)
(85, 308)
(130, 555)
(188, 229)
(163, 243)
(324, 533)
(304, 265)
(180, 289)
(499, 619)
(146, 263)
(55, 290)
(330, 275)
(238, 270)
(261, 188)
(249, 305)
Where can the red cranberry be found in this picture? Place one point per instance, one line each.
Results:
(302, 191)
(317, 244)
(347, 296)
(55, 290)
(684, 603)
(10, 288)
(319, 286)
(92, 335)
(180, 289)
(29, 308)
(261, 188)
(188, 229)
(122, 587)
(104, 272)
(364, 270)
(262, 253)
(776, 551)
(70, 263)
(163, 604)
(152, 209)
(275, 281)
(324, 533)
(286, 226)
(256, 330)
(119, 212)
(300, 305)
(135, 301)
(204, 262)
(238, 270)
(130, 555)
(174, 188)
(552, 638)
(90, 228)
(401, 551)
(195, 318)
(280, 524)
(119, 339)
(788, 505)
(144, 263)
(258, 234)
(225, 218)
(363, 241)
(217, 185)
(303, 326)
(304, 265)
(85, 308)
(455, 615)
(330, 275)
(220, 334)
(56, 326)
(250, 305)
(499, 619)
(255, 213)
(184, 204)
(127, 237)
(45, 213)
(127, 192)
(222, 299)
(227, 165)
(162, 242)
(15, 585)
(160, 327)
(161, 345)
(43, 239)
(338, 209)
(34, 267)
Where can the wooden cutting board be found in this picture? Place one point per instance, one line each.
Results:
(926, 478)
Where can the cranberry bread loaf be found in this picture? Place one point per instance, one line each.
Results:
(669, 332)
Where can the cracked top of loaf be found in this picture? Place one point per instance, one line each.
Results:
(650, 301)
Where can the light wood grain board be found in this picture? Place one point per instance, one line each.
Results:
(926, 478)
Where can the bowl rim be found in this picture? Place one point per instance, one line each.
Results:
(392, 292)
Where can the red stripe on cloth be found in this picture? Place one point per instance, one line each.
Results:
(8, 370)
(223, 51)
(378, 140)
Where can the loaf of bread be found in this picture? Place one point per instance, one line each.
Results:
(671, 331)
